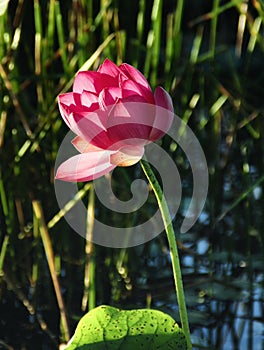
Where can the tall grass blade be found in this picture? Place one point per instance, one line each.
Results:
(44, 233)
(89, 290)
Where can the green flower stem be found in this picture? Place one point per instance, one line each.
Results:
(173, 248)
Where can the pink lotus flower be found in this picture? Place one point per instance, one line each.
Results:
(115, 115)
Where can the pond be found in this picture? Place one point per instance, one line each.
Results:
(209, 57)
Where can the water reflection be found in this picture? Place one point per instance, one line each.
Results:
(226, 305)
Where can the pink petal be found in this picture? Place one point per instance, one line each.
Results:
(164, 114)
(89, 127)
(83, 146)
(77, 99)
(163, 99)
(110, 68)
(85, 81)
(137, 89)
(133, 110)
(94, 134)
(109, 96)
(89, 99)
(130, 122)
(69, 104)
(127, 156)
(134, 74)
(85, 167)
(67, 99)
(64, 111)
(64, 102)
(86, 122)
(92, 82)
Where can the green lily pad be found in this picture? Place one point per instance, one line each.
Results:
(109, 328)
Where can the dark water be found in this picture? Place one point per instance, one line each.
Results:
(222, 266)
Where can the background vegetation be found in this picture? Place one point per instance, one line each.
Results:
(209, 56)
